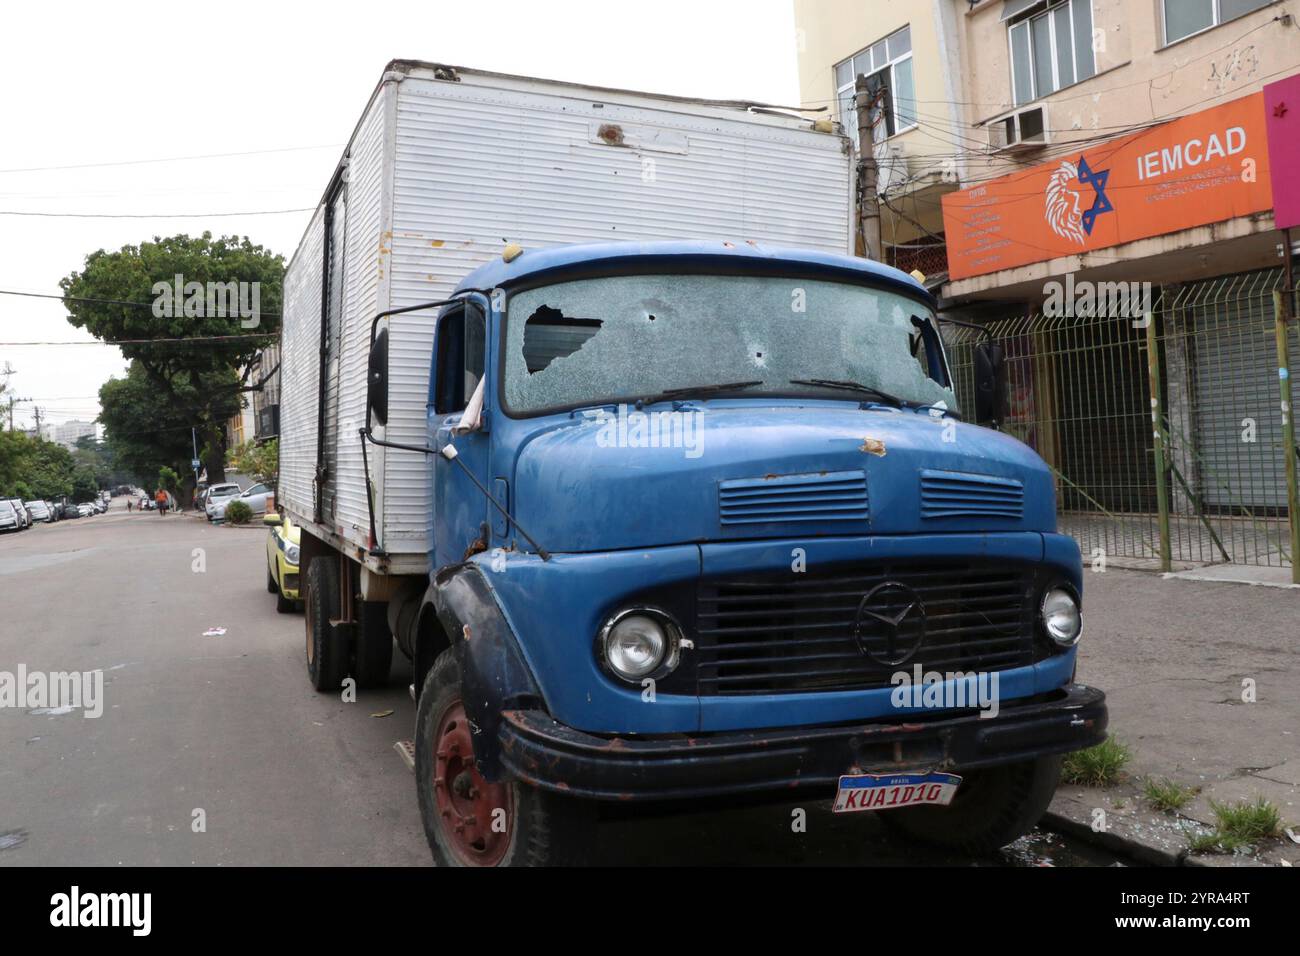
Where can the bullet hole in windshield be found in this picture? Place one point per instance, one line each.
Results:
(549, 334)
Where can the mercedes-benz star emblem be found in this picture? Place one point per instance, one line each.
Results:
(890, 624)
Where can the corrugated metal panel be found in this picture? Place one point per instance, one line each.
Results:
(477, 164)
(1236, 380)
(299, 371)
(364, 265)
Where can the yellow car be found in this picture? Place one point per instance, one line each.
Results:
(282, 561)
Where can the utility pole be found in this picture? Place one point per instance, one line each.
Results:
(868, 242)
(12, 402)
(36, 414)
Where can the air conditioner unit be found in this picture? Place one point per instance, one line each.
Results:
(1021, 131)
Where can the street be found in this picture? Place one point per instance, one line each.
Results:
(224, 730)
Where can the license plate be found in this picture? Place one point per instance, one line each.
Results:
(887, 791)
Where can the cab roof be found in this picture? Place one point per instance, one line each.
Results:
(555, 263)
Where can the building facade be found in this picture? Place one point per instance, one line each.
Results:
(67, 433)
(1102, 184)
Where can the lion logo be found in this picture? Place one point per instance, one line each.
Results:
(1064, 207)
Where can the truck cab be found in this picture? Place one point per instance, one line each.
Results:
(710, 521)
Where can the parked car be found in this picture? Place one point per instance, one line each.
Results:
(56, 513)
(8, 517)
(69, 510)
(85, 509)
(282, 561)
(39, 511)
(255, 497)
(24, 519)
(218, 496)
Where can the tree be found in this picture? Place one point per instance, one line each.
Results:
(143, 433)
(199, 384)
(262, 461)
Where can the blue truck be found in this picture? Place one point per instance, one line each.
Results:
(659, 519)
(729, 536)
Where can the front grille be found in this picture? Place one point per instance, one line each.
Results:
(792, 633)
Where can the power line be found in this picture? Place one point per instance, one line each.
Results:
(196, 340)
(171, 159)
(127, 302)
(161, 215)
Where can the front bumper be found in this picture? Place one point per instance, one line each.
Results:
(289, 581)
(538, 751)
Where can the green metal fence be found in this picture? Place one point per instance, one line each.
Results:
(1167, 430)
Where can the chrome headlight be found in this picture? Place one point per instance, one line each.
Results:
(639, 642)
(291, 553)
(1061, 617)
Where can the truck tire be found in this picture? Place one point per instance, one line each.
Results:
(462, 812)
(373, 654)
(327, 645)
(991, 808)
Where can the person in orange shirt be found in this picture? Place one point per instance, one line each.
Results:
(160, 498)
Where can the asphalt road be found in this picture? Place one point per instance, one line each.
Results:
(227, 724)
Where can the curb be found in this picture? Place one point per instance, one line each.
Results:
(1125, 846)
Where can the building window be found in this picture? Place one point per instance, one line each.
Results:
(1182, 18)
(887, 65)
(1051, 46)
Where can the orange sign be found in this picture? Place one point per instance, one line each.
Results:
(1203, 168)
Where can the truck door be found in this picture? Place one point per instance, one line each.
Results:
(327, 435)
(460, 518)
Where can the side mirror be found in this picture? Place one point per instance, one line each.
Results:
(377, 379)
(990, 384)
(271, 519)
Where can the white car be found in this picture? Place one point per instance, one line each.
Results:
(24, 517)
(39, 511)
(8, 517)
(255, 497)
(218, 497)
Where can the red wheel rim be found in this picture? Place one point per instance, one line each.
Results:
(476, 817)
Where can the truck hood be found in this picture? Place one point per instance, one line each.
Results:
(746, 470)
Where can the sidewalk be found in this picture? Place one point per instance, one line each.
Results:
(1172, 656)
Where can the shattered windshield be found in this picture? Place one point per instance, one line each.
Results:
(620, 338)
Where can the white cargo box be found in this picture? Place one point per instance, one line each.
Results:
(445, 167)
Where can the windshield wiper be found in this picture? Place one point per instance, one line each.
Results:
(847, 386)
(697, 390)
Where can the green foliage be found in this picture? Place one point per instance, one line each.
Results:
(168, 479)
(33, 468)
(1248, 820)
(1165, 795)
(1097, 766)
(172, 386)
(238, 513)
(261, 461)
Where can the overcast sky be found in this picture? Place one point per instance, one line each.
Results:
(116, 83)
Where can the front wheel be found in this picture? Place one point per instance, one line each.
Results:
(991, 808)
(469, 821)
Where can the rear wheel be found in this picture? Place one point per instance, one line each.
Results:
(327, 646)
(373, 654)
(991, 808)
(469, 821)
